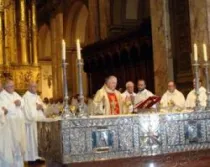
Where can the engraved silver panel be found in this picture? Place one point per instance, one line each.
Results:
(97, 138)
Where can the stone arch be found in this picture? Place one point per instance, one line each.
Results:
(76, 26)
(44, 42)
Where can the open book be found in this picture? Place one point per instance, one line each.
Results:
(148, 103)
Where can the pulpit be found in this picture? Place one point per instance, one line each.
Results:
(62, 142)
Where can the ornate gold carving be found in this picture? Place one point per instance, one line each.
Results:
(22, 75)
(1, 39)
(34, 33)
(23, 29)
(23, 33)
(13, 44)
(22, 10)
(1, 8)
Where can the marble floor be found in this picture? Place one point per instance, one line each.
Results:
(193, 159)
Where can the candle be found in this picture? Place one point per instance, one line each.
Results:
(78, 50)
(195, 52)
(205, 53)
(63, 50)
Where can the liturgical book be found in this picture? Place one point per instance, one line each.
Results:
(148, 103)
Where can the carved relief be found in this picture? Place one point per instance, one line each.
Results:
(26, 76)
(23, 29)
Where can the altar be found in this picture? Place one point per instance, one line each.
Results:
(114, 137)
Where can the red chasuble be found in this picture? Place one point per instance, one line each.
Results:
(114, 105)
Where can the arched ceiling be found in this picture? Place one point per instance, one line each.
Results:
(46, 8)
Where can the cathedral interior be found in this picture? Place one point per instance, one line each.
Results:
(131, 39)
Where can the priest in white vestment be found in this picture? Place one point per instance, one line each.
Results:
(128, 97)
(191, 97)
(143, 93)
(172, 98)
(33, 112)
(51, 109)
(6, 144)
(12, 103)
(108, 101)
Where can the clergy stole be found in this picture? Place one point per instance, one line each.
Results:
(114, 105)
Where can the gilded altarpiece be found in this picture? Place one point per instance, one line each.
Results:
(14, 56)
(21, 75)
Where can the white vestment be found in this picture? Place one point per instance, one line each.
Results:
(6, 143)
(130, 102)
(191, 98)
(142, 95)
(32, 115)
(175, 97)
(16, 125)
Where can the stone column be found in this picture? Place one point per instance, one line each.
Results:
(104, 12)
(59, 37)
(199, 23)
(23, 33)
(54, 58)
(161, 43)
(94, 21)
(200, 27)
(1, 32)
(34, 33)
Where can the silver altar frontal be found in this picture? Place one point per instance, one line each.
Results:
(112, 137)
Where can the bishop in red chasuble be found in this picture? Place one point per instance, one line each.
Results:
(108, 101)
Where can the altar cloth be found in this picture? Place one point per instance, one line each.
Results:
(113, 137)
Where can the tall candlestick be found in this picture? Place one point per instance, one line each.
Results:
(195, 52)
(78, 50)
(198, 107)
(66, 109)
(63, 50)
(205, 53)
(81, 106)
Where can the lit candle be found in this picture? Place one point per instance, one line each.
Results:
(205, 53)
(78, 50)
(195, 52)
(63, 50)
